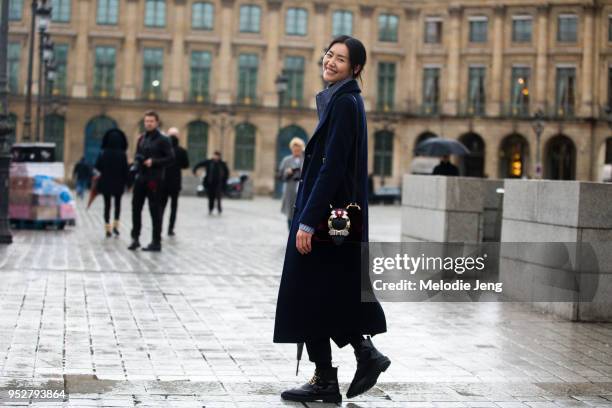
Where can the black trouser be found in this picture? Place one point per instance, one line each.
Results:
(214, 193)
(151, 192)
(319, 351)
(107, 207)
(173, 195)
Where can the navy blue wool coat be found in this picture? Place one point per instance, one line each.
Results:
(320, 293)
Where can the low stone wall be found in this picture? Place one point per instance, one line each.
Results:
(442, 209)
(575, 218)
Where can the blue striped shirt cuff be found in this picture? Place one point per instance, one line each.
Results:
(307, 228)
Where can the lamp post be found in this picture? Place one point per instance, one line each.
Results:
(45, 53)
(538, 128)
(281, 83)
(43, 12)
(5, 128)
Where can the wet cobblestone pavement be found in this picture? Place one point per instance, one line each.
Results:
(192, 326)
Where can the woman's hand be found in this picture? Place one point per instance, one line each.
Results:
(303, 242)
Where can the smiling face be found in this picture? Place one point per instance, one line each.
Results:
(336, 64)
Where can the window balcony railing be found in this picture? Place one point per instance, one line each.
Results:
(292, 103)
(385, 107)
(516, 111)
(429, 109)
(472, 109)
(564, 111)
(248, 101)
(204, 99)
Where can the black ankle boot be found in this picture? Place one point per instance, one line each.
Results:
(322, 387)
(370, 363)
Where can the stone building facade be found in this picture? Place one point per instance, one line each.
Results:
(472, 70)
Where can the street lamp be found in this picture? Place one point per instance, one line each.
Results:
(42, 12)
(538, 128)
(281, 87)
(6, 128)
(281, 83)
(45, 54)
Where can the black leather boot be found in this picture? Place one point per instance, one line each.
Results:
(370, 363)
(322, 387)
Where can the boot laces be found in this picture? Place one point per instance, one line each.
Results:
(315, 379)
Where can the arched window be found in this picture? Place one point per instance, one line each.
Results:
(244, 147)
(383, 153)
(560, 158)
(513, 156)
(473, 164)
(423, 137)
(54, 133)
(197, 141)
(94, 131)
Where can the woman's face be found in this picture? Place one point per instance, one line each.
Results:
(336, 63)
(296, 150)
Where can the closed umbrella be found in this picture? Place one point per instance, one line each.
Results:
(438, 146)
(93, 193)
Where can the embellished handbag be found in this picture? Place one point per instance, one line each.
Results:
(343, 224)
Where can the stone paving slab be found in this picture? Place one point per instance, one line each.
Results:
(192, 326)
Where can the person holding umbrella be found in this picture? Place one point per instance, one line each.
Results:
(443, 148)
(445, 168)
(319, 298)
(113, 167)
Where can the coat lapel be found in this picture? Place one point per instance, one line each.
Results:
(348, 87)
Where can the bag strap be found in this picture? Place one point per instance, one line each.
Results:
(356, 167)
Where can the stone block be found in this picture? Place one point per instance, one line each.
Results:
(595, 205)
(520, 199)
(463, 194)
(423, 224)
(423, 191)
(557, 202)
(462, 227)
(526, 231)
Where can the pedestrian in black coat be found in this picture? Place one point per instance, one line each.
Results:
(445, 168)
(113, 167)
(320, 291)
(173, 180)
(215, 180)
(153, 155)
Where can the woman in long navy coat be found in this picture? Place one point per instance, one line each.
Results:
(113, 167)
(320, 292)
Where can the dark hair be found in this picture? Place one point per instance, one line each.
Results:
(357, 52)
(217, 153)
(174, 141)
(153, 114)
(114, 139)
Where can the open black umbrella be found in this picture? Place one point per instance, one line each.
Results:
(438, 146)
